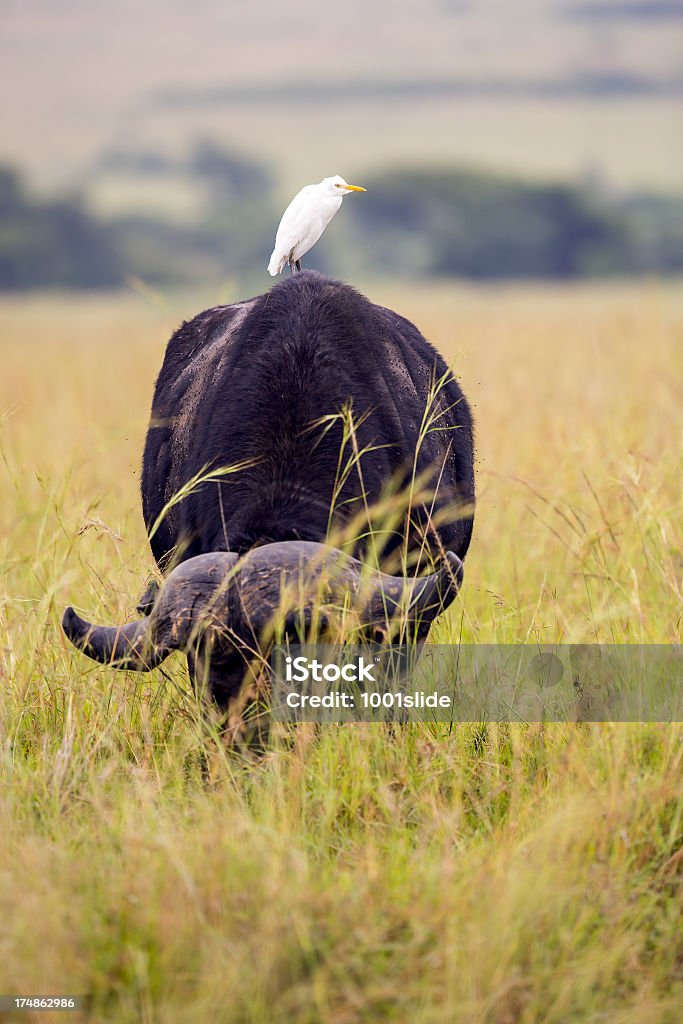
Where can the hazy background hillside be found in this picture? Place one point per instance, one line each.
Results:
(179, 130)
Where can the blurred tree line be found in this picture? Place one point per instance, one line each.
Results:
(52, 244)
(418, 223)
(485, 226)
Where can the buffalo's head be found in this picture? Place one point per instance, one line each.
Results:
(224, 610)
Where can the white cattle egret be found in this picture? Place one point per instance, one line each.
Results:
(305, 219)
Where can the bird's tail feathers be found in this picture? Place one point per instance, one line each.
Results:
(276, 263)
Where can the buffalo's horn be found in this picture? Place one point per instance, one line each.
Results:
(128, 646)
(195, 596)
(437, 591)
(428, 596)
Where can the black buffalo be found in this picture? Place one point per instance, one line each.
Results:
(316, 416)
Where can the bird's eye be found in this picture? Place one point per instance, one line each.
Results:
(337, 185)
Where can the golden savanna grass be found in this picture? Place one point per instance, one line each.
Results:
(481, 874)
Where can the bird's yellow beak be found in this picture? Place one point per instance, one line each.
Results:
(355, 188)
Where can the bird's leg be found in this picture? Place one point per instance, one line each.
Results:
(298, 264)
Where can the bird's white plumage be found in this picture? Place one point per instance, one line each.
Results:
(305, 219)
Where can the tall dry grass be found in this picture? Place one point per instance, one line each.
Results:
(484, 874)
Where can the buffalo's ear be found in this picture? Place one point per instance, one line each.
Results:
(146, 602)
(298, 625)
